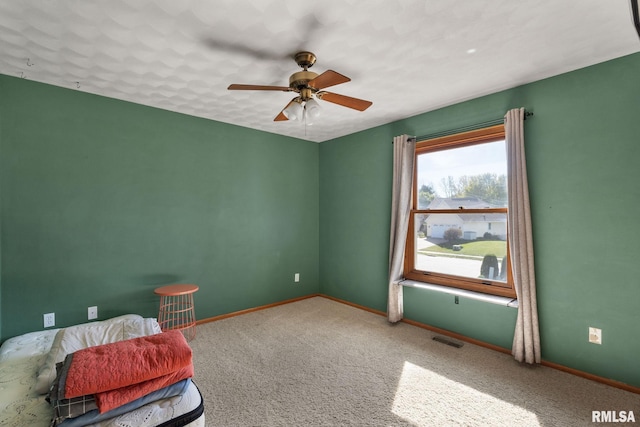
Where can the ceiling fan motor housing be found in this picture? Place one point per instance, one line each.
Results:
(299, 80)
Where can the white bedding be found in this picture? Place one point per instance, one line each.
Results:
(21, 405)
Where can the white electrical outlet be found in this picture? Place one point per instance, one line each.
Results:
(296, 277)
(92, 312)
(49, 320)
(595, 335)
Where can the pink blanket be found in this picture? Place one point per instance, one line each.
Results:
(123, 371)
(112, 399)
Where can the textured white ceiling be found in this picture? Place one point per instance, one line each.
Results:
(407, 56)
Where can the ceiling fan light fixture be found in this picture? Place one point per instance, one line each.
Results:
(312, 109)
(294, 111)
(308, 120)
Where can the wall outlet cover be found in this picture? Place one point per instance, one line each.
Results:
(595, 335)
(49, 320)
(92, 312)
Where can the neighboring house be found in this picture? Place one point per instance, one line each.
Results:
(471, 225)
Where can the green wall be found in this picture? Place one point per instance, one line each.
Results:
(0, 219)
(582, 153)
(102, 201)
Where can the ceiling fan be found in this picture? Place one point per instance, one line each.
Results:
(309, 86)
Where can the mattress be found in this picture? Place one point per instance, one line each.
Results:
(21, 405)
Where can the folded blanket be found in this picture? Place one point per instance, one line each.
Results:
(112, 399)
(69, 408)
(94, 416)
(120, 372)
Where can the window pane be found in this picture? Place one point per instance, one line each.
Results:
(476, 175)
(466, 245)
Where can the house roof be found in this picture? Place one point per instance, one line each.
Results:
(459, 202)
(406, 56)
(468, 203)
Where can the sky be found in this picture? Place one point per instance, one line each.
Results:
(472, 160)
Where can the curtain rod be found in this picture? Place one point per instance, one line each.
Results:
(468, 128)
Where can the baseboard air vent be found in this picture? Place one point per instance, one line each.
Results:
(447, 341)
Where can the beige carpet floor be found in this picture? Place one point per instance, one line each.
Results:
(318, 362)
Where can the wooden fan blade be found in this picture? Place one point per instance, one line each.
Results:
(259, 87)
(328, 78)
(345, 101)
(281, 117)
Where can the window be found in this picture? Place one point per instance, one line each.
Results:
(458, 224)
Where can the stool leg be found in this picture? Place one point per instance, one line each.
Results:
(163, 313)
(191, 318)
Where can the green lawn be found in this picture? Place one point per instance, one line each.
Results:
(476, 248)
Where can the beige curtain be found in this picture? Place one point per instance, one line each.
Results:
(526, 339)
(404, 148)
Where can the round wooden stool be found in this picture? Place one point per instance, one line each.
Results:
(177, 309)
